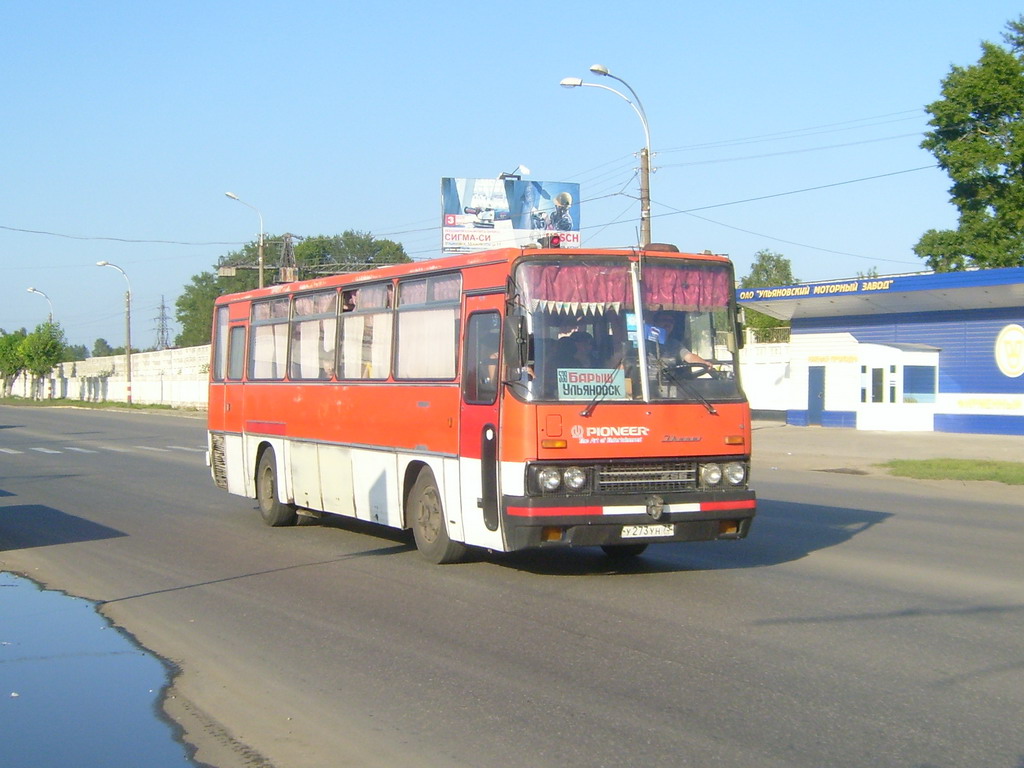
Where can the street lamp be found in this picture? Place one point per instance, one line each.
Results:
(127, 325)
(645, 153)
(36, 290)
(233, 196)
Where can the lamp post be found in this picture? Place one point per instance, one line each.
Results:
(233, 196)
(127, 326)
(645, 153)
(36, 290)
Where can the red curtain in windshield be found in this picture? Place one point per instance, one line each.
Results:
(678, 287)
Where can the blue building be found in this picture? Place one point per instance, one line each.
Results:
(920, 352)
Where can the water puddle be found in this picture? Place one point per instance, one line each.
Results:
(76, 691)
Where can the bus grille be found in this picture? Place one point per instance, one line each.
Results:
(647, 477)
(217, 461)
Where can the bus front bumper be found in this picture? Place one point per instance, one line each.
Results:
(605, 521)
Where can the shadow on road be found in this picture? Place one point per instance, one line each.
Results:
(782, 532)
(27, 526)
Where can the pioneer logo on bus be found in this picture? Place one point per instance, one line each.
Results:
(624, 434)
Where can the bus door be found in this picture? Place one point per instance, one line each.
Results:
(478, 423)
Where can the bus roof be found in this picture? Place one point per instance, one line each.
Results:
(452, 262)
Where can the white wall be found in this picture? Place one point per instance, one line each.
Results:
(175, 377)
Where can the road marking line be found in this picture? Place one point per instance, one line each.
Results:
(115, 448)
(184, 448)
(150, 448)
(9, 450)
(44, 450)
(78, 450)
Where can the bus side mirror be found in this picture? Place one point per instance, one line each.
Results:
(741, 319)
(517, 341)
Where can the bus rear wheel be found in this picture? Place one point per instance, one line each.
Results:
(426, 516)
(273, 511)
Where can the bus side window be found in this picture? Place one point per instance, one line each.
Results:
(220, 343)
(236, 352)
(365, 333)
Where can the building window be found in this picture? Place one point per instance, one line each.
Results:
(919, 383)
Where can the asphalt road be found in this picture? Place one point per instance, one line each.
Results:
(867, 621)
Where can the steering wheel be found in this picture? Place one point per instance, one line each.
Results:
(692, 370)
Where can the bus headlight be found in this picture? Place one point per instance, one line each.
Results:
(710, 474)
(575, 479)
(735, 473)
(549, 479)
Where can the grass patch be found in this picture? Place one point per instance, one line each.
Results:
(1008, 472)
(105, 405)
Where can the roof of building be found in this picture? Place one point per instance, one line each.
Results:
(890, 294)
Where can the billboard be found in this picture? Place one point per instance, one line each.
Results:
(478, 214)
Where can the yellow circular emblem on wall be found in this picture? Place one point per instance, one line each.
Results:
(1010, 351)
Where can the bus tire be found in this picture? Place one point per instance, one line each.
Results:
(426, 516)
(624, 551)
(274, 512)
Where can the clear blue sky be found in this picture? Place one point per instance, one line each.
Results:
(125, 122)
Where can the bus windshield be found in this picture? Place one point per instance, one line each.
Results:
(580, 334)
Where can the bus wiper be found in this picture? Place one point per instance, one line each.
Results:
(586, 412)
(689, 390)
(598, 398)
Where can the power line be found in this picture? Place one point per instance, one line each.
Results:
(788, 152)
(798, 133)
(111, 239)
(675, 211)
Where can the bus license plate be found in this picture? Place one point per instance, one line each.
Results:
(647, 531)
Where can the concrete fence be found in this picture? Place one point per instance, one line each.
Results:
(174, 377)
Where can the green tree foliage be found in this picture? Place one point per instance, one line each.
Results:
(75, 352)
(350, 251)
(101, 348)
(43, 349)
(768, 269)
(12, 362)
(977, 137)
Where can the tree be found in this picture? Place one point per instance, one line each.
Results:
(350, 251)
(768, 269)
(75, 352)
(43, 349)
(978, 139)
(194, 308)
(101, 348)
(12, 362)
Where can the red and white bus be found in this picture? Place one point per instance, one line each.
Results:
(504, 400)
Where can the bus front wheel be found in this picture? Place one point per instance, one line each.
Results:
(274, 512)
(426, 515)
